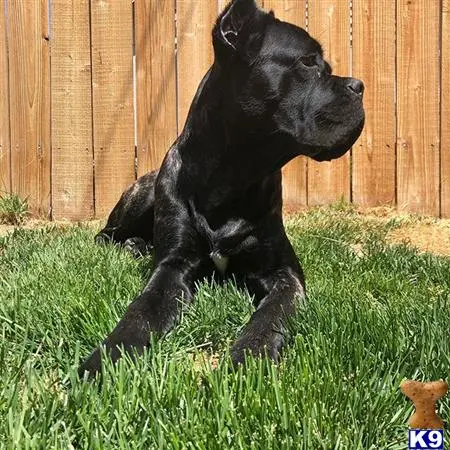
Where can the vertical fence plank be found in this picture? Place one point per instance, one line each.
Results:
(445, 110)
(29, 86)
(156, 82)
(72, 159)
(195, 19)
(294, 174)
(5, 152)
(329, 23)
(418, 106)
(113, 120)
(374, 62)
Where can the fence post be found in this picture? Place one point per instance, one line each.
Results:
(373, 157)
(155, 81)
(195, 20)
(29, 87)
(329, 23)
(113, 115)
(5, 148)
(72, 152)
(418, 105)
(445, 110)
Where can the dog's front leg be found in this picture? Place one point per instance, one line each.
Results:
(264, 334)
(155, 311)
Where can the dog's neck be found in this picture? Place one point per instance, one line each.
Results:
(222, 161)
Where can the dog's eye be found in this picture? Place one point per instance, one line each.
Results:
(309, 61)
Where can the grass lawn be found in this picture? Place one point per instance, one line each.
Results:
(377, 312)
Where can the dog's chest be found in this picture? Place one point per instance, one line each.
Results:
(228, 241)
(220, 261)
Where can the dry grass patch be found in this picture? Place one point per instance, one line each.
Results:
(34, 224)
(429, 235)
(426, 234)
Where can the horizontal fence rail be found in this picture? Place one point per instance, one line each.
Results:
(93, 93)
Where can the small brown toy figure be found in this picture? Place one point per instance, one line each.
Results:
(424, 396)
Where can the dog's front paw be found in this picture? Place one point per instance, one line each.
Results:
(257, 343)
(131, 336)
(91, 365)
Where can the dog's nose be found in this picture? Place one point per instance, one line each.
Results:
(356, 86)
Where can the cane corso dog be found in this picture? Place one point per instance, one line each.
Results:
(214, 206)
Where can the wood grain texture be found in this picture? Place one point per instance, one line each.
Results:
(329, 23)
(29, 86)
(156, 82)
(5, 149)
(195, 20)
(72, 167)
(295, 173)
(374, 62)
(113, 116)
(221, 4)
(445, 111)
(418, 106)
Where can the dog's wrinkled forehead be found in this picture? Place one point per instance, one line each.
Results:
(289, 39)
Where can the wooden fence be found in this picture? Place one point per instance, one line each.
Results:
(93, 92)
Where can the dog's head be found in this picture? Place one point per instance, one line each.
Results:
(278, 84)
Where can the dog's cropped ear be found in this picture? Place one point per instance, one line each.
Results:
(238, 27)
(233, 20)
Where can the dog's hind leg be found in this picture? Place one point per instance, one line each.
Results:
(130, 223)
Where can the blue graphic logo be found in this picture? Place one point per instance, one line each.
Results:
(426, 439)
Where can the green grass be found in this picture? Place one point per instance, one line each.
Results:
(374, 316)
(13, 209)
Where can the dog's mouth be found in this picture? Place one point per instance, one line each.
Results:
(336, 117)
(338, 150)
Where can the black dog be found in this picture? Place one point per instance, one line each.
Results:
(215, 204)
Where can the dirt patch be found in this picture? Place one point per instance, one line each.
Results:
(5, 229)
(432, 237)
(205, 360)
(426, 234)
